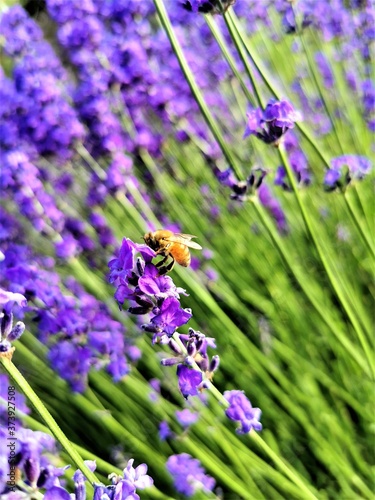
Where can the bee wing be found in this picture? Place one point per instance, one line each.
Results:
(184, 239)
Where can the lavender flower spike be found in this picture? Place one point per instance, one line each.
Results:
(271, 124)
(189, 475)
(240, 409)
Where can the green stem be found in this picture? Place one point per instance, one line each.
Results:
(228, 56)
(302, 284)
(166, 23)
(17, 376)
(276, 459)
(240, 49)
(282, 466)
(317, 84)
(272, 88)
(356, 223)
(330, 273)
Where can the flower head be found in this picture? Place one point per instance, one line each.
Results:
(189, 380)
(188, 475)
(240, 409)
(272, 123)
(344, 169)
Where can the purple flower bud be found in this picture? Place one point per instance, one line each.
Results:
(170, 361)
(32, 469)
(271, 124)
(79, 485)
(191, 349)
(16, 331)
(214, 364)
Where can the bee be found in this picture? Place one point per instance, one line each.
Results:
(173, 245)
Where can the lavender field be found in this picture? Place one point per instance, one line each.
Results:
(231, 355)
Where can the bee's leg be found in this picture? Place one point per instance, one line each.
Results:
(165, 269)
(161, 262)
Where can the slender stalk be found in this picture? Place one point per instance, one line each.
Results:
(329, 271)
(17, 376)
(317, 83)
(216, 33)
(289, 472)
(240, 49)
(272, 88)
(166, 23)
(282, 466)
(301, 282)
(356, 223)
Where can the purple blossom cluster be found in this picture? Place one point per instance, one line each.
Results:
(8, 332)
(188, 475)
(255, 185)
(271, 124)
(344, 169)
(240, 410)
(137, 281)
(27, 458)
(28, 454)
(44, 116)
(79, 328)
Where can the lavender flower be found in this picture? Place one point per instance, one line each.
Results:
(79, 327)
(189, 380)
(8, 332)
(165, 431)
(241, 190)
(18, 31)
(188, 475)
(139, 282)
(271, 124)
(186, 417)
(29, 453)
(125, 487)
(344, 169)
(240, 409)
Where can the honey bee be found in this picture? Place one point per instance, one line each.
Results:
(169, 244)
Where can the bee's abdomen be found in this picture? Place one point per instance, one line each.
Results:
(181, 254)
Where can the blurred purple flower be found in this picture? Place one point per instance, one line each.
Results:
(188, 475)
(165, 431)
(344, 169)
(18, 31)
(273, 206)
(240, 409)
(186, 417)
